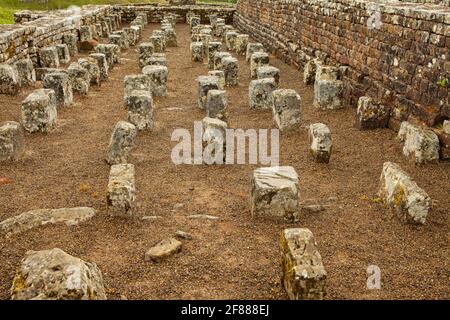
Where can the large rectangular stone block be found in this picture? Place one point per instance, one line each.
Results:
(121, 193)
(39, 111)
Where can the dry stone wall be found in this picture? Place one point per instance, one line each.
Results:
(156, 12)
(36, 30)
(395, 52)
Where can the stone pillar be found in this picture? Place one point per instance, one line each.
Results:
(9, 79)
(241, 44)
(11, 141)
(214, 141)
(79, 78)
(320, 142)
(26, 73)
(39, 111)
(158, 44)
(327, 88)
(219, 74)
(197, 52)
(140, 109)
(231, 70)
(260, 93)
(139, 82)
(158, 79)
(230, 40)
(257, 60)
(102, 65)
(63, 53)
(213, 47)
(253, 48)
(304, 277)
(49, 58)
(216, 104)
(218, 57)
(286, 109)
(60, 83)
(274, 193)
(206, 83)
(269, 72)
(121, 143)
(121, 193)
(92, 68)
(145, 53)
(420, 143)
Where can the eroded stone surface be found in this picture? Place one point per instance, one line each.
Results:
(11, 141)
(26, 72)
(304, 276)
(158, 79)
(252, 48)
(102, 65)
(260, 93)
(63, 53)
(56, 275)
(257, 60)
(36, 218)
(286, 109)
(274, 193)
(197, 52)
(121, 142)
(60, 83)
(230, 67)
(39, 111)
(49, 57)
(79, 78)
(9, 79)
(420, 143)
(328, 88)
(121, 193)
(140, 82)
(214, 140)
(163, 249)
(92, 68)
(145, 53)
(371, 115)
(140, 109)
(216, 104)
(410, 203)
(206, 83)
(320, 141)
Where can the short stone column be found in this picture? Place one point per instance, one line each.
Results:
(371, 115)
(79, 78)
(11, 141)
(111, 52)
(258, 59)
(121, 193)
(39, 111)
(260, 93)
(102, 65)
(218, 58)
(197, 52)
(140, 109)
(25, 71)
(253, 48)
(214, 141)
(328, 88)
(145, 53)
(269, 72)
(92, 68)
(231, 71)
(121, 143)
(320, 142)
(274, 193)
(219, 74)
(213, 48)
(158, 43)
(304, 276)
(206, 83)
(48, 57)
(158, 79)
(63, 53)
(241, 43)
(136, 82)
(60, 83)
(230, 40)
(216, 104)
(9, 79)
(419, 143)
(286, 109)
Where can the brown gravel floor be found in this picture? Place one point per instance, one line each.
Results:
(237, 257)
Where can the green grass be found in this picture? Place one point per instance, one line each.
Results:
(8, 7)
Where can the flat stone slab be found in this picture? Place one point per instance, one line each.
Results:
(163, 249)
(35, 218)
(56, 275)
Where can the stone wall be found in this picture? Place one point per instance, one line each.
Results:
(39, 29)
(403, 62)
(155, 12)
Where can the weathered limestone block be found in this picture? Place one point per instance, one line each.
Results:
(26, 72)
(269, 72)
(158, 59)
(241, 43)
(158, 44)
(371, 115)
(139, 82)
(158, 79)
(49, 57)
(226, 29)
(79, 78)
(102, 65)
(231, 71)
(260, 93)
(36, 218)
(140, 109)
(116, 39)
(286, 109)
(320, 141)
(56, 275)
(213, 48)
(60, 83)
(111, 52)
(163, 249)
(197, 52)
(410, 203)
(9, 79)
(257, 60)
(42, 72)
(205, 39)
(327, 88)
(63, 53)
(123, 42)
(274, 193)
(105, 29)
(121, 193)
(71, 40)
(304, 276)
(216, 104)
(11, 141)
(219, 74)
(214, 140)
(206, 83)
(194, 21)
(92, 68)
(136, 32)
(121, 142)
(218, 59)
(131, 36)
(230, 40)
(86, 33)
(420, 143)
(39, 111)
(253, 48)
(145, 53)
(171, 37)
(309, 71)
(446, 126)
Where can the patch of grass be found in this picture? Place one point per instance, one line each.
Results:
(6, 15)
